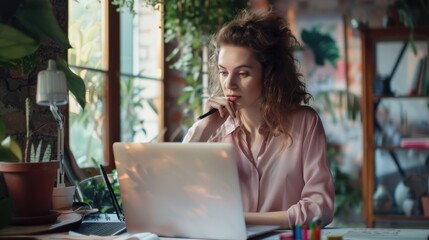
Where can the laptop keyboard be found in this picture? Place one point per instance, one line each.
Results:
(101, 228)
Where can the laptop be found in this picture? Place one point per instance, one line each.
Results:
(104, 224)
(185, 190)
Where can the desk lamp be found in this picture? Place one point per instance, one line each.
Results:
(52, 91)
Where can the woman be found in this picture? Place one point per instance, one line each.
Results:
(284, 175)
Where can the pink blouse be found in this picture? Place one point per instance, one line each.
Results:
(293, 177)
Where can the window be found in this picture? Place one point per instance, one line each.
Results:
(120, 107)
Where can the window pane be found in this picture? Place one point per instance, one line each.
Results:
(140, 104)
(86, 127)
(85, 21)
(141, 58)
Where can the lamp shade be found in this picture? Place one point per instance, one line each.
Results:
(51, 86)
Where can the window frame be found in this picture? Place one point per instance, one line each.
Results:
(111, 101)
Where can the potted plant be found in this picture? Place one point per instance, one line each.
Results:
(408, 14)
(28, 181)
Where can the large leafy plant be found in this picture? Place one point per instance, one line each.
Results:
(24, 25)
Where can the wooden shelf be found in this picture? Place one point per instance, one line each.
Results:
(378, 97)
(395, 148)
(392, 37)
(400, 218)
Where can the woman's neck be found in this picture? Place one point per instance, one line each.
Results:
(251, 120)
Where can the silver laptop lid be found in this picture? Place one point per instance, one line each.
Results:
(180, 189)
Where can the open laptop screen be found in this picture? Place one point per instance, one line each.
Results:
(180, 189)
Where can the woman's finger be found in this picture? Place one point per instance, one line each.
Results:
(223, 105)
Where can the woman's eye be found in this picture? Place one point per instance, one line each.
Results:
(223, 73)
(243, 74)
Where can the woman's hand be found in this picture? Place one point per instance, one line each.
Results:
(207, 126)
(223, 105)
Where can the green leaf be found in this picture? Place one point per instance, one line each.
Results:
(23, 65)
(323, 46)
(47, 154)
(2, 130)
(15, 44)
(9, 65)
(32, 154)
(10, 151)
(6, 155)
(152, 105)
(37, 17)
(75, 83)
(38, 152)
(182, 99)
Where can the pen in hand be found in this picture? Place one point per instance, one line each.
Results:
(213, 110)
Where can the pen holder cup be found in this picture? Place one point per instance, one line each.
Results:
(62, 197)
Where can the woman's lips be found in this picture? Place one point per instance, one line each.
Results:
(233, 98)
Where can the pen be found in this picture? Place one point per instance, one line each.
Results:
(304, 232)
(213, 110)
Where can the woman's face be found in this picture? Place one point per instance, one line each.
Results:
(240, 75)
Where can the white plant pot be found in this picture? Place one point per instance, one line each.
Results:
(62, 197)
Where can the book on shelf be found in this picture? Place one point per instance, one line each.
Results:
(424, 85)
(420, 81)
(415, 142)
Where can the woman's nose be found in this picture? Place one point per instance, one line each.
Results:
(230, 82)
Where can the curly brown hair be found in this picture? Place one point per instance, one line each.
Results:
(270, 39)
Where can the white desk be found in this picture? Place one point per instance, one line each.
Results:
(371, 233)
(346, 233)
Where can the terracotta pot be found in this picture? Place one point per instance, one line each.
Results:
(30, 186)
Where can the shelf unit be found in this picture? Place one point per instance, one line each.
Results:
(379, 149)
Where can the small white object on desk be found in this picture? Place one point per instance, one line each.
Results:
(62, 197)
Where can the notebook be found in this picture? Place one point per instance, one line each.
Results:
(104, 224)
(187, 190)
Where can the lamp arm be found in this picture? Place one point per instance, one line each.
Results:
(60, 150)
(57, 115)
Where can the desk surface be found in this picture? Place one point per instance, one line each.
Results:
(64, 222)
(371, 233)
(346, 233)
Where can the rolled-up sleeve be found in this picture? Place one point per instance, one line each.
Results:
(198, 133)
(317, 195)
(190, 135)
